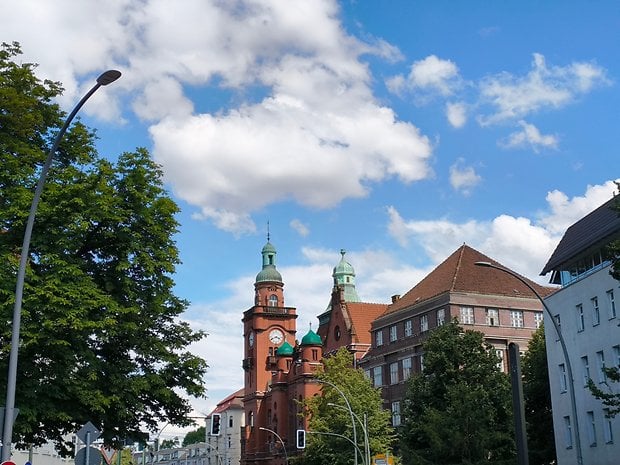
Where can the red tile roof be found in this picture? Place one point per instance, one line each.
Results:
(235, 399)
(458, 273)
(362, 315)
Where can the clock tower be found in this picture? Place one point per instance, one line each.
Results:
(266, 327)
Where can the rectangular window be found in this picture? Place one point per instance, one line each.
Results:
(591, 425)
(406, 368)
(421, 363)
(423, 323)
(616, 360)
(395, 413)
(559, 328)
(408, 328)
(377, 376)
(580, 321)
(230, 421)
(607, 427)
(538, 319)
(379, 338)
(562, 377)
(500, 356)
(367, 374)
(394, 373)
(441, 317)
(393, 333)
(600, 366)
(492, 317)
(516, 318)
(585, 365)
(568, 433)
(596, 313)
(611, 304)
(467, 315)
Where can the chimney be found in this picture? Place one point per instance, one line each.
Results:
(395, 297)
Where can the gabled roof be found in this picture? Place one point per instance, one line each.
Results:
(233, 400)
(597, 227)
(458, 273)
(362, 315)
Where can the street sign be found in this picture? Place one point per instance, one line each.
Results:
(88, 428)
(108, 454)
(94, 456)
(8, 462)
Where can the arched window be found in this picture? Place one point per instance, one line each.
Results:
(273, 300)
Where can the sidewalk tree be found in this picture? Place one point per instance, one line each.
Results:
(364, 399)
(537, 395)
(458, 410)
(194, 437)
(101, 338)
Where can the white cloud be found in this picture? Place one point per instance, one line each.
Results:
(463, 178)
(522, 244)
(431, 75)
(299, 227)
(543, 87)
(456, 112)
(529, 136)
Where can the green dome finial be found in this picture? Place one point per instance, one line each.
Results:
(311, 338)
(269, 272)
(344, 276)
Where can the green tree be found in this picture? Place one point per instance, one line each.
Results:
(196, 436)
(328, 414)
(101, 338)
(611, 399)
(458, 410)
(169, 443)
(537, 394)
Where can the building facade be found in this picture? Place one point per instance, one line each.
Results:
(279, 371)
(481, 299)
(586, 311)
(223, 431)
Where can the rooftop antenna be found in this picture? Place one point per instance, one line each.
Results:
(267, 230)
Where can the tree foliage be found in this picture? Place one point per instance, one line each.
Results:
(365, 402)
(194, 437)
(458, 410)
(537, 394)
(101, 338)
(609, 396)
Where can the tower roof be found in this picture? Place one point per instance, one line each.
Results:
(285, 350)
(344, 276)
(269, 273)
(311, 339)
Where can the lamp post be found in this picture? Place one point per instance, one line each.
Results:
(364, 430)
(279, 439)
(558, 331)
(104, 79)
(346, 401)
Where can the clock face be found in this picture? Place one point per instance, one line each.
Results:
(276, 336)
(251, 338)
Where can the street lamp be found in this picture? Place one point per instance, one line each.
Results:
(9, 412)
(364, 430)
(564, 350)
(346, 401)
(279, 439)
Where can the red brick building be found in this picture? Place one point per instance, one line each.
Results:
(278, 370)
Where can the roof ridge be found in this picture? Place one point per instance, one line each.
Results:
(457, 268)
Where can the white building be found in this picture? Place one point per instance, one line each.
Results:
(224, 446)
(587, 309)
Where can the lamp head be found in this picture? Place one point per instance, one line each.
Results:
(485, 264)
(108, 77)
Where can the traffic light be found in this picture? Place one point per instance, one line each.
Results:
(301, 439)
(215, 424)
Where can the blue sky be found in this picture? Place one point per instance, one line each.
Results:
(396, 130)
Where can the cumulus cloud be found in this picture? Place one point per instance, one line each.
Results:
(431, 75)
(513, 97)
(299, 227)
(456, 112)
(300, 97)
(529, 136)
(463, 178)
(523, 244)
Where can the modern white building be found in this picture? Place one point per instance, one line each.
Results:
(587, 310)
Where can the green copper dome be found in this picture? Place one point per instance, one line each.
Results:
(344, 276)
(285, 350)
(269, 272)
(311, 339)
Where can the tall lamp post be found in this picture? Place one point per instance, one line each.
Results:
(346, 401)
(279, 439)
(364, 430)
(558, 331)
(104, 79)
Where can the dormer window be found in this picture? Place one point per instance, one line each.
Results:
(273, 300)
